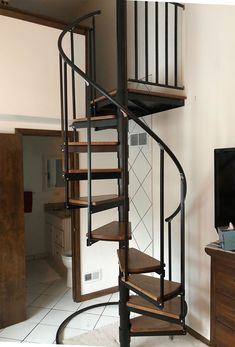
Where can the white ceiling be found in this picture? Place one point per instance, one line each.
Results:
(65, 10)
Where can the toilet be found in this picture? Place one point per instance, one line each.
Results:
(67, 261)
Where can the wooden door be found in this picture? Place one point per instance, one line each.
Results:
(12, 243)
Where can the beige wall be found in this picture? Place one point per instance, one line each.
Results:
(206, 122)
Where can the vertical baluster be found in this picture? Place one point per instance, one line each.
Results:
(94, 53)
(156, 44)
(146, 43)
(169, 251)
(61, 98)
(66, 157)
(166, 43)
(73, 76)
(91, 72)
(162, 226)
(89, 183)
(176, 46)
(136, 39)
(182, 232)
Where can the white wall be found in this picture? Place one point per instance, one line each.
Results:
(29, 70)
(206, 122)
(35, 149)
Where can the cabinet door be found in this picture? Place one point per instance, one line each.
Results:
(12, 243)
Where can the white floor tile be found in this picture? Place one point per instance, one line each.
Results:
(115, 297)
(45, 301)
(84, 321)
(66, 303)
(111, 310)
(37, 288)
(2, 339)
(95, 301)
(55, 317)
(17, 331)
(42, 334)
(36, 314)
(105, 320)
(56, 290)
(31, 297)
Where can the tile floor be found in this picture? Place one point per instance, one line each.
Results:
(48, 304)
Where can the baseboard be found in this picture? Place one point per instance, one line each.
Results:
(99, 293)
(197, 336)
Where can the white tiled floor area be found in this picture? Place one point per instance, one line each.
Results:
(48, 304)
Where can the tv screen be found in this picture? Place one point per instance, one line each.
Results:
(224, 159)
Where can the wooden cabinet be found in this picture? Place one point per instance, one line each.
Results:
(222, 296)
(58, 235)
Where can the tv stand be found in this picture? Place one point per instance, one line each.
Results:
(222, 296)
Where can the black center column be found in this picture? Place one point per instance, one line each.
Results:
(121, 13)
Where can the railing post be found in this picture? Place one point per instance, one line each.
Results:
(162, 276)
(121, 11)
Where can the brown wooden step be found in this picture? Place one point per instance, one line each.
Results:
(96, 174)
(96, 121)
(113, 231)
(138, 262)
(171, 307)
(82, 147)
(150, 287)
(145, 324)
(99, 203)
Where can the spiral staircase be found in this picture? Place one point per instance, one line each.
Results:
(159, 302)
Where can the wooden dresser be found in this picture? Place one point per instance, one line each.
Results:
(222, 296)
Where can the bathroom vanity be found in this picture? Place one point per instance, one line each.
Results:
(58, 234)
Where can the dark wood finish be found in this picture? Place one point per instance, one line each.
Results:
(37, 19)
(113, 231)
(82, 171)
(150, 286)
(93, 119)
(12, 242)
(138, 262)
(82, 147)
(96, 200)
(171, 309)
(197, 336)
(145, 324)
(222, 296)
(99, 293)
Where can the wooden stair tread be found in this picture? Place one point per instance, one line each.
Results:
(95, 170)
(113, 231)
(94, 143)
(150, 286)
(145, 324)
(171, 307)
(93, 118)
(96, 200)
(138, 262)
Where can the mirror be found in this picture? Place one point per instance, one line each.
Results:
(53, 173)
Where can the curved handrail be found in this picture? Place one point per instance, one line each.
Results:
(126, 112)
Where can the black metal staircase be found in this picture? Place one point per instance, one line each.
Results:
(160, 302)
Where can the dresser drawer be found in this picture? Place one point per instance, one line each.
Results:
(225, 310)
(224, 336)
(225, 279)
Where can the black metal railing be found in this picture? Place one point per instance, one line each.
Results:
(165, 73)
(65, 62)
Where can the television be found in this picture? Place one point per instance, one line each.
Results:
(224, 172)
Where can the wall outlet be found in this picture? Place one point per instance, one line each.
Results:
(93, 276)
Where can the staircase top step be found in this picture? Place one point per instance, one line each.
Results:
(150, 287)
(113, 231)
(95, 170)
(171, 307)
(138, 262)
(142, 102)
(145, 324)
(110, 143)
